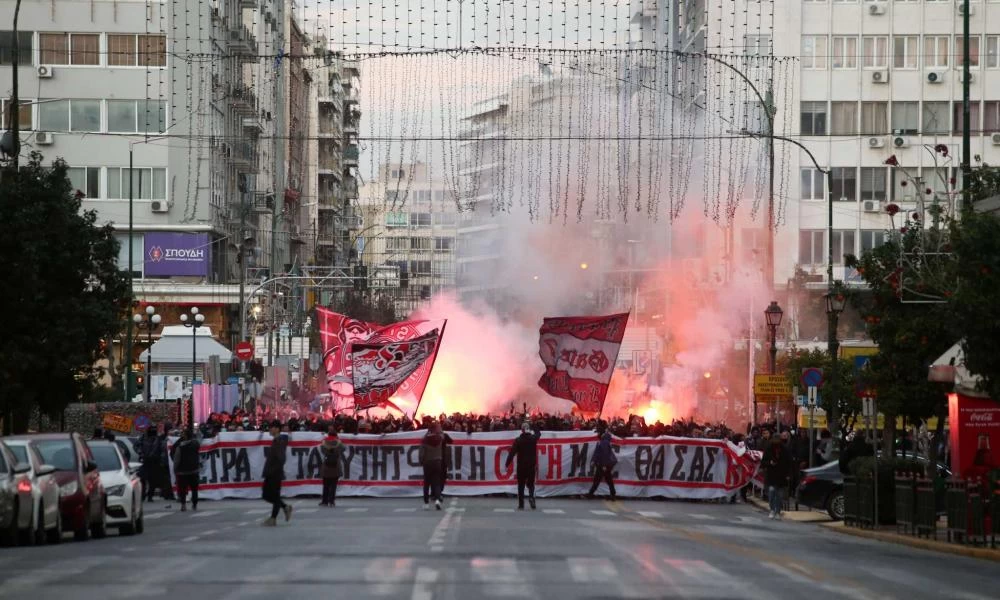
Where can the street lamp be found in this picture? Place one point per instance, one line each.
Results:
(150, 321)
(196, 321)
(773, 314)
(835, 304)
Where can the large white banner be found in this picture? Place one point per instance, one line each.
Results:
(388, 465)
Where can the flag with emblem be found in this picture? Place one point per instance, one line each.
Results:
(381, 368)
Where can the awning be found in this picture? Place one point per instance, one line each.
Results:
(177, 349)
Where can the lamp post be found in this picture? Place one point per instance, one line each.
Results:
(151, 320)
(197, 320)
(835, 303)
(772, 315)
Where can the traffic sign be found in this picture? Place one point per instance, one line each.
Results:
(142, 423)
(244, 351)
(812, 377)
(776, 386)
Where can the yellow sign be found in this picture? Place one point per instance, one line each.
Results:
(819, 418)
(117, 423)
(772, 386)
(860, 424)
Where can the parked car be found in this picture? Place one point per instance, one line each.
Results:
(122, 485)
(81, 495)
(823, 487)
(46, 518)
(15, 499)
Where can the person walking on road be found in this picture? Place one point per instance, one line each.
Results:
(187, 468)
(332, 451)
(432, 457)
(151, 456)
(525, 449)
(274, 473)
(604, 461)
(777, 465)
(163, 472)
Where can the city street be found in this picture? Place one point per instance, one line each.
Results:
(482, 548)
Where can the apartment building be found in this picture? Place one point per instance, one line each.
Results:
(874, 79)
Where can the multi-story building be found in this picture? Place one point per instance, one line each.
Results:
(407, 243)
(873, 79)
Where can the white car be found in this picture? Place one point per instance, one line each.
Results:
(124, 489)
(46, 518)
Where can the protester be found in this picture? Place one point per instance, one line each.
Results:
(432, 459)
(332, 451)
(187, 468)
(274, 473)
(604, 461)
(777, 465)
(525, 449)
(151, 456)
(163, 472)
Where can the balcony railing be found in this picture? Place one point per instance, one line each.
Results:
(243, 99)
(351, 154)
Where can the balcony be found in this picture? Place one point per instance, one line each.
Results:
(242, 156)
(351, 155)
(350, 188)
(240, 41)
(252, 125)
(351, 95)
(329, 126)
(352, 120)
(243, 99)
(329, 164)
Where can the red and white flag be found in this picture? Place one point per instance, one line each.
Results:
(381, 368)
(579, 354)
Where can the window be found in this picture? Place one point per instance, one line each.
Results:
(903, 189)
(138, 243)
(397, 219)
(973, 118)
(874, 118)
(844, 118)
(420, 267)
(397, 244)
(130, 50)
(812, 247)
(935, 118)
(973, 52)
(147, 183)
(443, 267)
(875, 49)
(904, 51)
(444, 218)
(444, 244)
(811, 184)
(905, 118)
(813, 119)
(845, 52)
(23, 114)
(53, 115)
(24, 55)
(420, 219)
(935, 51)
(813, 52)
(991, 116)
(86, 179)
(871, 239)
(137, 116)
(939, 179)
(420, 244)
(845, 181)
(843, 244)
(397, 174)
(69, 115)
(992, 51)
(69, 48)
(757, 45)
(873, 183)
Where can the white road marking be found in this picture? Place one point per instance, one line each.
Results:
(357, 510)
(156, 515)
(453, 509)
(422, 584)
(191, 538)
(258, 511)
(553, 511)
(592, 570)
(209, 532)
(500, 576)
(306, 511)
(402, 510)
(603, 513)
(703, 517)
(503, 510)
(793, 575)
(243, 523)
(650, 514)
(204, 513)
(751, 520)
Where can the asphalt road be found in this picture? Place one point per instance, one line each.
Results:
(481, 548)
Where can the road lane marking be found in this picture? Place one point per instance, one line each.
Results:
(592, 570)
(650, 514)
(204, 513)
(553, 511)
(422, 584)
(258, 511)
(503, 510)
(386, 575)
(453, 509)
(402, 510)
(500, 576)
(157, 515)
(191, 538)
(357, 510)
(603, 513)
(306, 511)
(794, 576)
(703, 517)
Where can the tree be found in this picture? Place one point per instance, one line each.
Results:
(367, 306)
(64, 293)
(796, 359)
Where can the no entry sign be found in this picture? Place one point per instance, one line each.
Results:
(244, 351)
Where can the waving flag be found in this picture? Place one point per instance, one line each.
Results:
(380, 368)
(579, 354)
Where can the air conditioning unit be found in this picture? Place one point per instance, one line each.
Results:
(995, 138)
(961, 9)
(901, 141)
(45, 71)
(877, 8)
(961, 77)
(880, 76)
(876, 142)
(935, 77)
(159, 206)
(870, 206)
(44, 138)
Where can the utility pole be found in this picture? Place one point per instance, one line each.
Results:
(15, 104)
(966, 142)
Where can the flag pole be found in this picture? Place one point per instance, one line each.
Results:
(431, 372)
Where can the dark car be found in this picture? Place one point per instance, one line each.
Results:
(823, 487)
(81, 496)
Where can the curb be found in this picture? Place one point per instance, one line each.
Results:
(915, 542)
(793, 516)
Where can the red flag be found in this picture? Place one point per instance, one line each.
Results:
(579, 354)
(381, 368)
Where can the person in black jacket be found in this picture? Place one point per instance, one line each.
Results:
(151, 455)
(524, 449)
(274, 473)
(777, 464)
(187, 468)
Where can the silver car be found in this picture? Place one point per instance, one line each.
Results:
(15, 499)
(46, 516)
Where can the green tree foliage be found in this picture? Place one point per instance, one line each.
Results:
(63, 292)
(795, 360)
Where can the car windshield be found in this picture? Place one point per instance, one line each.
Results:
(58, 453)
(19, 452)
(106, 458)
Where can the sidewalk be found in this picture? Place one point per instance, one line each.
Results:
(888, 534)
(801, 516)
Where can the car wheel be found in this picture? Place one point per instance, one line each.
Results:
(26, 537)
(40, 525)
(54, 535)
(100, 529)
(139, 525)
(128, 528)
(8, 536)
(835, 505)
